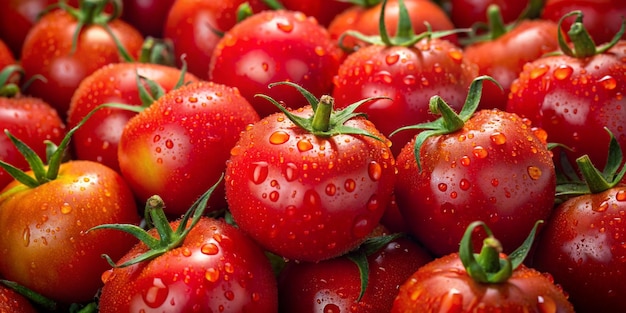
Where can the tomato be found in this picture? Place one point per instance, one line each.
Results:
(97, 139)
(11, 301)
(6, 56)
(490, 281)
(466, 13)
(408, 69)
(335, 285)
(312, 190)
(195, 27)
(504, 56)
(43, 241)
(135, 12)
(273, 46)
(324, 11)
(490, 165)
(178, 146)
(574, 95)
(360, 18)
(601, 16)
(48, 51)
(204, 266)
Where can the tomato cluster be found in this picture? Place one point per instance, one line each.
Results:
(312, 156)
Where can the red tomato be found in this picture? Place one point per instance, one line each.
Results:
(136, 11)
(503, 58)
(466, 13)
(335, 285)
(305, 196)
(216, 269)
(601, 16)
(43, 241)
(491, 166)
(97, 139)
(48, 51)
(6, 56)
(11, 301)
(274, 46)
(178, 146)
(194, 27)
(324, 11)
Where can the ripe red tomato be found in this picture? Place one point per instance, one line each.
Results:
(324, 11)
(98, 138)
(194, 27)
(492, 166)
(335, 285)
(136, 11)
(6, 56)
(48, 51)
(178, 146)
(274, 46)
(466, 13)
(216, 269)
(43, 241)
(11, 301)
(310, 191)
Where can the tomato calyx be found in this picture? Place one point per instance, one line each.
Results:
(325, 121)
(157, 51)
(450, 121)
(405, 35)
(583, 44)
(8, 88)
(490, 265)
(155, 218)
(593, 180)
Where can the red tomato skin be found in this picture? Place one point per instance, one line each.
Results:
(32, 121)
(334, 285)
(410, 77)
(47, 52)
(305, 197)
(13, 302)
(324, 11)
(98, 139)
(178, 147)
(504, 58)
(217, 269)
(136, 11)
(43, 241)
(465, 13)
(6, 56)
(574, 99)
(494, 169)
(602, 18)
(582, 246)
(365, 20)
(191, 25)
(274, 46)
(443, 285)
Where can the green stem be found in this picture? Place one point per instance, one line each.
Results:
(321, 118)
(496, 23)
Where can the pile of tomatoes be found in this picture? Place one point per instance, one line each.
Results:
(312, 156)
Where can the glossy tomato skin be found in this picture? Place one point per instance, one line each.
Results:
(494, 169)
(11, 301)
(136, 11)
(574, 99)
(504, 58)
(410, 76)
(582, 246)
(324, 11)
(177, 148)
(334, 285)
(191, 25)
(31, 120)
(601, 17)
(217, 269)
(44, 244)
(444, 286)
(365, 20)
(47, 51)
(305, 197)
(98, 139)
(274, 46)
(465, 13)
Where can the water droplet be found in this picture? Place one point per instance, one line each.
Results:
(368, 67)
(409, 80)
(193, 99)
(546, 304)
(465, 184)
(331, 308)
(304, 145)
(534, 172)
(454, 194)
(456, 55)
(259, 172)
(312, 198)
(106, 275)
(26, 236)
(156, 138)
(384, 76)
(66, 208)
(373, 203)
(274, 195)
(374, 170)
(480, 152)
(621, 195)
(465, 160)
(209, 249)
(538, 71)
(452, 301)
(279, 137)
(330, 189)
(602, 207)
(285, 26)
(498, 138)
(392, 59)
(442, 187)
(186, 252)
(229, 268)
(319, 51)
(212, 274)
(495, 182)
(256, 297)
(608, 82)
(349, 185)
(290, 210)
(169, 144)
(156, 295)
(291, 171)
(562, 72)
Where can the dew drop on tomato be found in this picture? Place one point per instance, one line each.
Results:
(602, 207)
(563, 72)
(539, 71)
(349, 185)
(392, 59)
(304, 145)
(608, 82)
(621, 195)
(546, 304)
(169, 144)
(285, 26)
(209, 249)
(274, 195)
(480, 152)
(534, 172)
(279, 137)
(331, 308)
(442, 187)
(498, 138)
(66, 208)
(361, 227)
(373, 204)
(456, 56)
(156, 295)
(330, 189)
(465, 160)
(465, 184)
(212, 274)
(374, 170)
(409, 80)
(259, 172)
(106, 275)
(452, 301)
